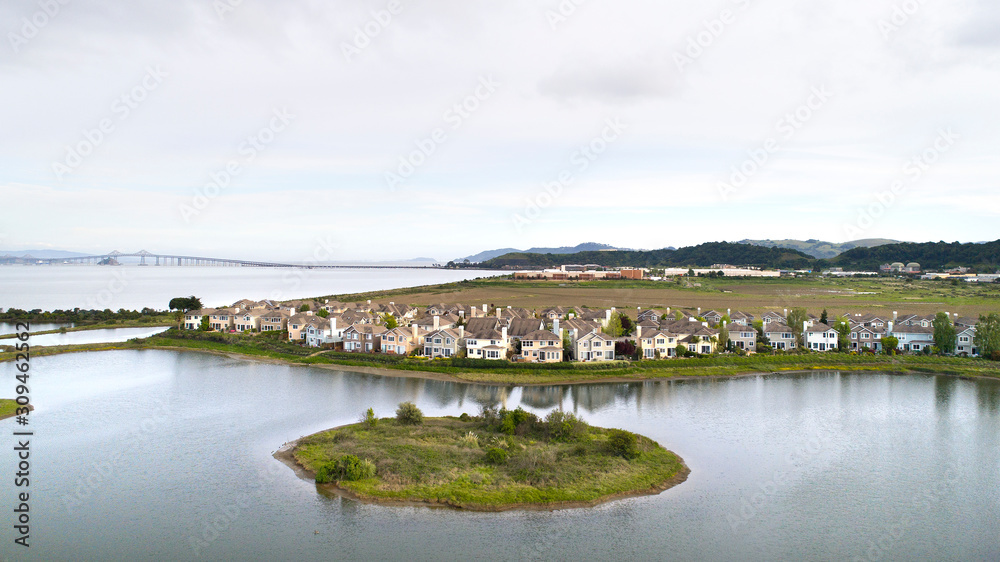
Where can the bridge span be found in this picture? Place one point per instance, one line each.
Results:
(172, 260)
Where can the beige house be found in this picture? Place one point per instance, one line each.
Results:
(402, 340)
(297, 325)
(658, 344)
(274, 320)
(248, 320)
(192, 319)
(488, 344)
(443, 343)
(541, 346)
(222, 320)
(594, 346)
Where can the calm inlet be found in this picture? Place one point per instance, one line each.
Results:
(167, 455)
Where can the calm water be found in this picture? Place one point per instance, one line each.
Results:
(11, 328)
(139, 453)
(132, 288)
(92, 336)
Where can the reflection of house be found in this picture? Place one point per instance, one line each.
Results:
(541, 346)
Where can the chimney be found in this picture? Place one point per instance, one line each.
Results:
(461, 332)
(461, 314)
(555, 326)
(638, 332)
(607, 316)
(805, 327)
(484, 308)
(894, 314)
(571, 316)
(786, 313)
(413, 330)
(889, 331)
(503, 333)
(729, 312)
(369, 301)
(309, 313)
(333, 324)
(576, 334)
(392, 303)
(668, 310)
(437, 322)
(699, 311)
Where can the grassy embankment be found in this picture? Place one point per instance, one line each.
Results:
(269, 347)
(476, 464)
(7, 408)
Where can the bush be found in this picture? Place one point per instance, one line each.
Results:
(408, 414)
(464, 417)
(369, 419)
(496, 456)
(516, 421)
(623, 444)
(561, 426)
(347, 467)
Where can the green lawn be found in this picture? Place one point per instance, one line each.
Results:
(444, 461)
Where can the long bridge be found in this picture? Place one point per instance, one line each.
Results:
(111, 258)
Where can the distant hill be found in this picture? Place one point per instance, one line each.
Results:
(703, 255)
(43, 254)
(930, 255)
(820, 249)
(585, 247)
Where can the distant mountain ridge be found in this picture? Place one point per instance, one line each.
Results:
(702, 255)
(585, 247)
(820, 249)
(42, 254)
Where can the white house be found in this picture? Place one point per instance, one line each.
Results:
(820, 337)
(966, 341)
(595, 346)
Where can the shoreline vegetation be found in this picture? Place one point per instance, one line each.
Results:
(521, 374)
(499, 460)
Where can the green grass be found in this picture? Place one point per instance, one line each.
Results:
(7, 408)
(437, 462)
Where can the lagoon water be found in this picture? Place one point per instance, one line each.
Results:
(92, 336)
(151, 455)
(135, 287)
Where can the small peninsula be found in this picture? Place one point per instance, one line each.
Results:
(499, 460)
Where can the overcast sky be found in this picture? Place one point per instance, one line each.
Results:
(257, 128)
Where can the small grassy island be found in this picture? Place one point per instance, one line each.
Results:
(499, 460)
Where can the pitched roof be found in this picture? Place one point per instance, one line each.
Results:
(520, 327)
(541, 335)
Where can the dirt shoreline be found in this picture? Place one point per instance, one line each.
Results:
(285, 455)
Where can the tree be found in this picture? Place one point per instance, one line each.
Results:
(796, 317)
(843, 328)
(723, 337)
(323, 313)
(627, 325)
(409, 414)
(390, 321)
(567, 347)
(889, 345)
(945, 335)
(988, 335)
(823, 318)
(614, 327)
(182, 305)
(205, 323)
(690, 272)
(304, 308)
